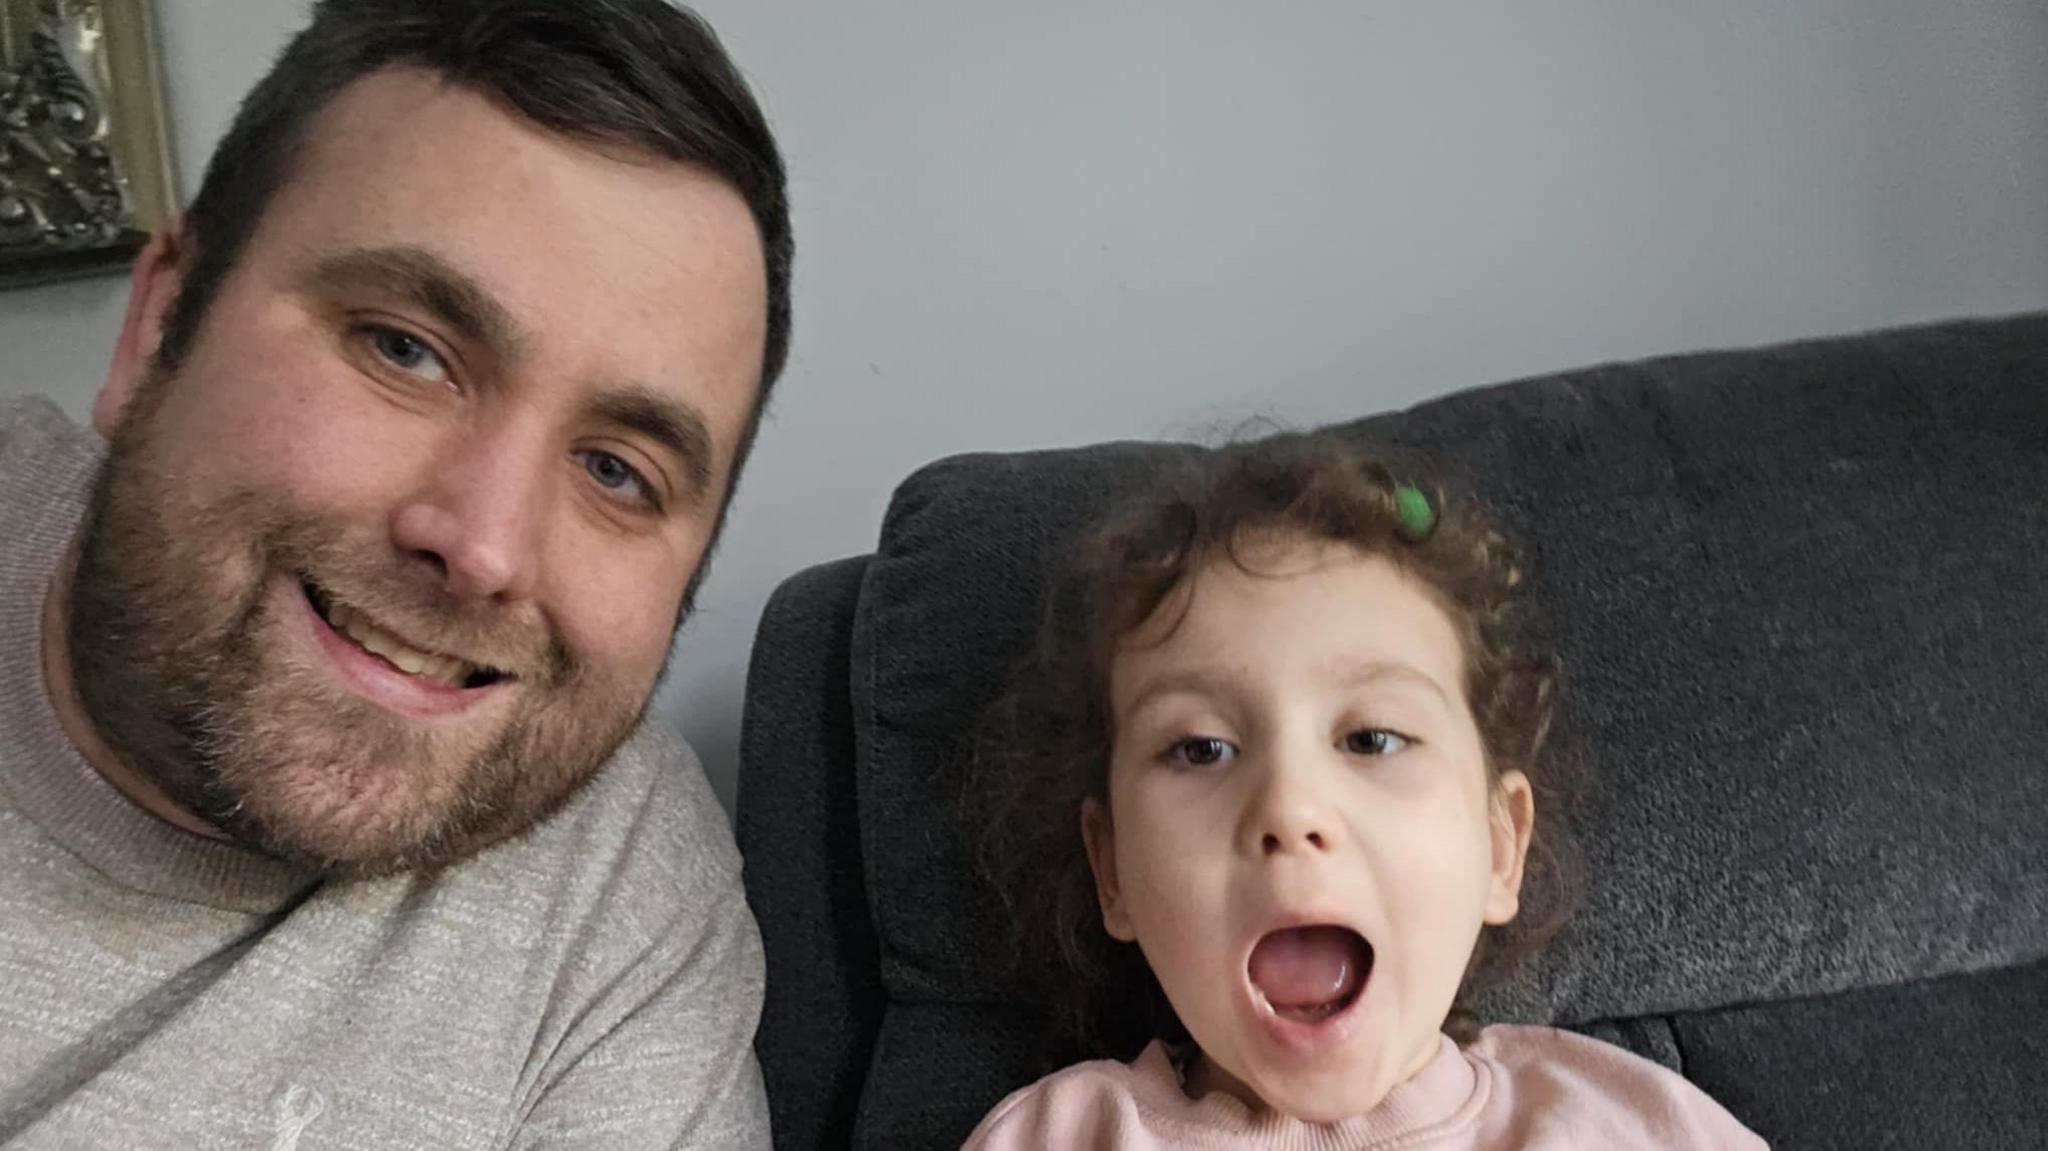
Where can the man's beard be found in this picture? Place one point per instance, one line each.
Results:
(178, 650)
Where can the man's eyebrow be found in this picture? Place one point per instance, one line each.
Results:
(670, 423)
(429, 283)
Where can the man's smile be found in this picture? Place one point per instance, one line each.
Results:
(375, 663)
(387, 644)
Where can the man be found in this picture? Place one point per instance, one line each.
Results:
(326, 814)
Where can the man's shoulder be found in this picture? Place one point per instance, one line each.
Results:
(652, 798)
(32, 430)
(46, 468)
(45, 462)
(35, 424)
(643, 851)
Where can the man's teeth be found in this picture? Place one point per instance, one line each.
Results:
(411, 660)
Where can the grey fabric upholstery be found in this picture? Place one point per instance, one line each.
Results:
(803, 873)
(1957, 1062)
(1800, 597)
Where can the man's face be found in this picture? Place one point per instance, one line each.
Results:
(390, 563)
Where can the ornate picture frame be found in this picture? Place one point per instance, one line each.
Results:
(85, 158)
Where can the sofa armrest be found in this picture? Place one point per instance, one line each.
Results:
(799, 833)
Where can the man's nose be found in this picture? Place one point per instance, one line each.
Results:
(478, 513)
(1290, 812)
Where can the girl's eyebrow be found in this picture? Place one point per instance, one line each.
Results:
(1213, 681)
(1202, 680)
(1392, 672)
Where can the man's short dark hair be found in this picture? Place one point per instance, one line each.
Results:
(638, 74)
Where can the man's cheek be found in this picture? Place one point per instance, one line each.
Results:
(619, 629)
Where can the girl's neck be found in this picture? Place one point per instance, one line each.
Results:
(1200, 1076)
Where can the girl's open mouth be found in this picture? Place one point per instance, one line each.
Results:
(1310, 974)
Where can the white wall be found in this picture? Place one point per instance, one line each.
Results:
(1028, 224)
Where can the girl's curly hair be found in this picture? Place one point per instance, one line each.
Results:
(1045, 745)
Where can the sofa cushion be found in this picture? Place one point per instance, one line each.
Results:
(1799, 595)
(1955, 1062)
(949, 605)
(938, 1068)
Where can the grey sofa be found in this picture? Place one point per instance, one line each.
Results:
(1802, 596)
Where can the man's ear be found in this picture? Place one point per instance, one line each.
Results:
(152, 289)
(1511, 819)
(1100, 837)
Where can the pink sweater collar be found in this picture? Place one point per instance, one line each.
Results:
(1446, 1093)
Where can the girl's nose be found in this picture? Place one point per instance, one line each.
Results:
(1288, 814)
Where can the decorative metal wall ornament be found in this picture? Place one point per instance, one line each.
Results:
(85, 166)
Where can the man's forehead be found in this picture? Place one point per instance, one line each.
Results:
(654, 265)
(410, 142)
(361, 122)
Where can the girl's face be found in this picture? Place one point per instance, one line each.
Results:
(1300, 834)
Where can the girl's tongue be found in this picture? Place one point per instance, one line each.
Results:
(1310, 973)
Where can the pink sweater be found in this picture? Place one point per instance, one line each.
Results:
(1516, 1087)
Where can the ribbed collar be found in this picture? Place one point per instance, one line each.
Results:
(1446, 1094)
(46, 468)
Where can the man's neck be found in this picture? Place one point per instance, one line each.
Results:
(133, 783)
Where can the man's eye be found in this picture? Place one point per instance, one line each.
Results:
(1374, 741)
(616, 475)
(1201, 751)
(409, 353)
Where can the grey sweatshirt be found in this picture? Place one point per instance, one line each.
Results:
(593, 983)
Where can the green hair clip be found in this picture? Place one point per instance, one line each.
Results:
(1418, 519)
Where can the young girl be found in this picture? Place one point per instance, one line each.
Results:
(1284, 735)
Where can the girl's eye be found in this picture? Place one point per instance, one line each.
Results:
(1201, 751)
(408, 353)
(1374, 741)
(616, 475)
